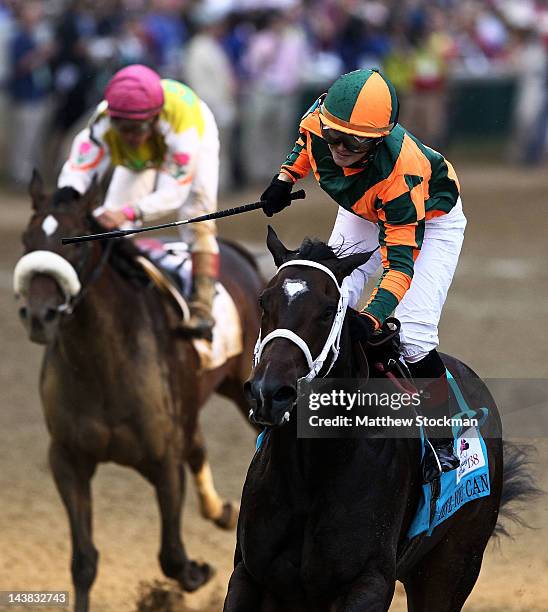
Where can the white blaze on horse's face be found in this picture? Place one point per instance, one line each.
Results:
(293, 288)
(50, 225)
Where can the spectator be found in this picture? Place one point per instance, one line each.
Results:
(166, 34)
(273, 61)
(73, 71)
(528, 56)
(205, 55)
(426, 103)
(131, 42)
(6, 26)
(30, 52)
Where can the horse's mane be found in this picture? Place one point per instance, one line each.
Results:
(123, 252)
(123, 256)
(64, 196)
(315, 250)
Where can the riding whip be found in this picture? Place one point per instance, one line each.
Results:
(298, 195)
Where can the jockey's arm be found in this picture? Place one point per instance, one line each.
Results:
(89, 158)
(297, 164)
(398, 231)
(401, 220)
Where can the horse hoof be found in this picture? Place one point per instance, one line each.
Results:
(229, 516)
(195, 575)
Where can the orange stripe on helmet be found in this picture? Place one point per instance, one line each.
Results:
(373, 106)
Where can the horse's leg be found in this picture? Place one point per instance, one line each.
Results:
(72, 474)
(444, 579)
(223, 514)
(244, 594)
(168, 479)
(371, 592)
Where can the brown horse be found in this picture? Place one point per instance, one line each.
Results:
(117, 384)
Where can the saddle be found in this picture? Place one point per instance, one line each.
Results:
(168, 266)
(384, 355)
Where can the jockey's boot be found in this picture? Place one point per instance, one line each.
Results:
(204, 277)
(435, 404)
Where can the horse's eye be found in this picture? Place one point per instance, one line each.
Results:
(261, 302)
(328, 314)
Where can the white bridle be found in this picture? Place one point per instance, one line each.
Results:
(333, 339)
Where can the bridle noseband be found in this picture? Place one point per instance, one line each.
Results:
(50, 263)
(332, 344)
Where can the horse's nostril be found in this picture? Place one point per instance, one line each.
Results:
(50, 315)
(23, 312)
(248, 392)
(285, 394)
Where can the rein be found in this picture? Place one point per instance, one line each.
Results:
(332, 344)
(69, 306)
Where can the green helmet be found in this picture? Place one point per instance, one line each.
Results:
(363, 103)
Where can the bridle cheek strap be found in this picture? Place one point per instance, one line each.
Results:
(332, 344)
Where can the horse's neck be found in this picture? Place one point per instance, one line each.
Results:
(345, 366)
(104, 314)
(299, 458)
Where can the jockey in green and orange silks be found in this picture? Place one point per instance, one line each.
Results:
(395, 192)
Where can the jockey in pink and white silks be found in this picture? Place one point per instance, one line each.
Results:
(163, 144)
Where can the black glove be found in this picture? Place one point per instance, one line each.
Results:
(276, 196)
(361, 326)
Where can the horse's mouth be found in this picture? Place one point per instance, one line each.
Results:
(271, 423)
(38, 332)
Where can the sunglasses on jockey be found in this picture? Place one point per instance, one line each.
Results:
(131, 126)
(351, 142)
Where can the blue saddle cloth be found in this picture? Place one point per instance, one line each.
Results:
(458, 487)
(468, 482)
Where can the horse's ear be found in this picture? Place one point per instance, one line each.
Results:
(346, 265)
(36, 189)
(90, 199)
(277, 248)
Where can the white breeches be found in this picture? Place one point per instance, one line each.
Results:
(420, 309)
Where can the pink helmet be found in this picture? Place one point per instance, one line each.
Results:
(135, 92)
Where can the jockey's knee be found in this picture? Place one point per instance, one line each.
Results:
(418, 340)
(202, 238)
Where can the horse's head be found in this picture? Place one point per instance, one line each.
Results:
(47, 277)
(303, 314)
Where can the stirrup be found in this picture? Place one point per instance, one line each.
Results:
(438, 458)
(198, 326)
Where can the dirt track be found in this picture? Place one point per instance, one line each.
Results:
(495, 319)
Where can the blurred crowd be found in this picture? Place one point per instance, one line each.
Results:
(258, 63)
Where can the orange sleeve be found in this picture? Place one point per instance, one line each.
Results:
(297, 165)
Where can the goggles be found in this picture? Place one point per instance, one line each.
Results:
(129, 126)
(351, 142)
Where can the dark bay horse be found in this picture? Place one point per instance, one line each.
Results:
(116, 383)
(323, 522)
